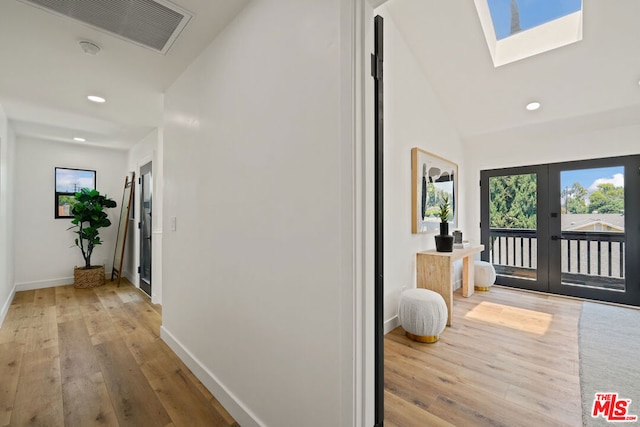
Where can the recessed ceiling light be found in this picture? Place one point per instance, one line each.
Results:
(532, 106)
(79, 139)
(98, 99)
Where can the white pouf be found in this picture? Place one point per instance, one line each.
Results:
(422, 314)
(485, 275)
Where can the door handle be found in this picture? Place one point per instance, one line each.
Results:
(555, 237)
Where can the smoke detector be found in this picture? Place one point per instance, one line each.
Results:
(89, 48)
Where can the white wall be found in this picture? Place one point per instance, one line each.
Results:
(149, 149)
(414, 117)
(7, 153)
(538, 145)
(256, 178)
(44, 250)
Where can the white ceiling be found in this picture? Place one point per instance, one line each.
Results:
(591, 84)
(45, 77)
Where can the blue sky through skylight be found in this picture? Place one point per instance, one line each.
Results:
(532, 13)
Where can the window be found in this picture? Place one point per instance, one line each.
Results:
(68, 182)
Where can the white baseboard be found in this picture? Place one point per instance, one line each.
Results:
(131, 278)
(6, 305)
(391, 324)
(41, 284)
(231, 403)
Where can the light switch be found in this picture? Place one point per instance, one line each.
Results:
(172, 223)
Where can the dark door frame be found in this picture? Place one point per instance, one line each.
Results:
(377, 59)
(549, 232)
(542, 233)
(146, 287)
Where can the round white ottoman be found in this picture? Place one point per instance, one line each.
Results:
(422, 314)
(484, 275)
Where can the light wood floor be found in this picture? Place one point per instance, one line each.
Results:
(86, 357)
(510, 359)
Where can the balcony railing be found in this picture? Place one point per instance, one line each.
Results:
(588, 258)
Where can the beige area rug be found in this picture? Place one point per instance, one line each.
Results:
(609, 340)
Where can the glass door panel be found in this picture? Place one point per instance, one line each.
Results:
(513, 223)
(594, 240)
(512, 227)
(593, 228)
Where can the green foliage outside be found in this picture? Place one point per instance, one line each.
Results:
(575, 199)
(606, 199)
(65, 203)
(512, 201)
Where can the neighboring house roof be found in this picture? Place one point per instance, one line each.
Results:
(579, 221)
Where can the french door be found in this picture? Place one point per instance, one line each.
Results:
(568, 228)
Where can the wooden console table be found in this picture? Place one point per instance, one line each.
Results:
(435, 272)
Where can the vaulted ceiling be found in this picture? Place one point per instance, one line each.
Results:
(45, 77)
(590, 84)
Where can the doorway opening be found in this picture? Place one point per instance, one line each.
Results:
(565, 228)
(145, 226)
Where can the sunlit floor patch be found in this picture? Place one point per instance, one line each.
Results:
(535, 322)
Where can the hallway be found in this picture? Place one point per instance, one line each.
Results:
(82, 357)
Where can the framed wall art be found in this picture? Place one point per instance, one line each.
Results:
(432, 177)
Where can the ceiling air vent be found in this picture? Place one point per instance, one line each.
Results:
(154, 24)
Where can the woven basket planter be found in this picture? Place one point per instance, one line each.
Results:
(88, 278)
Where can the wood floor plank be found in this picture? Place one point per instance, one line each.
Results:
(39, 395)
(16, 324)
(80, 411)
(144, 317)
(129, 294)
(81, 357)
(24, 297)
(114, 306)
(180, 397)
(133, 398)
(99, 324)
(498, 366)
(43, 332)
(67, 306)
(82, 376)
(510, 359)
(10, 364)
(44, 297)
(401, 413)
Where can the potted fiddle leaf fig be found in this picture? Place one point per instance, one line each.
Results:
(444, 241)
(89, 216)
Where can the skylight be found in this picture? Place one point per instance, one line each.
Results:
(527, 14)
(517, 29)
